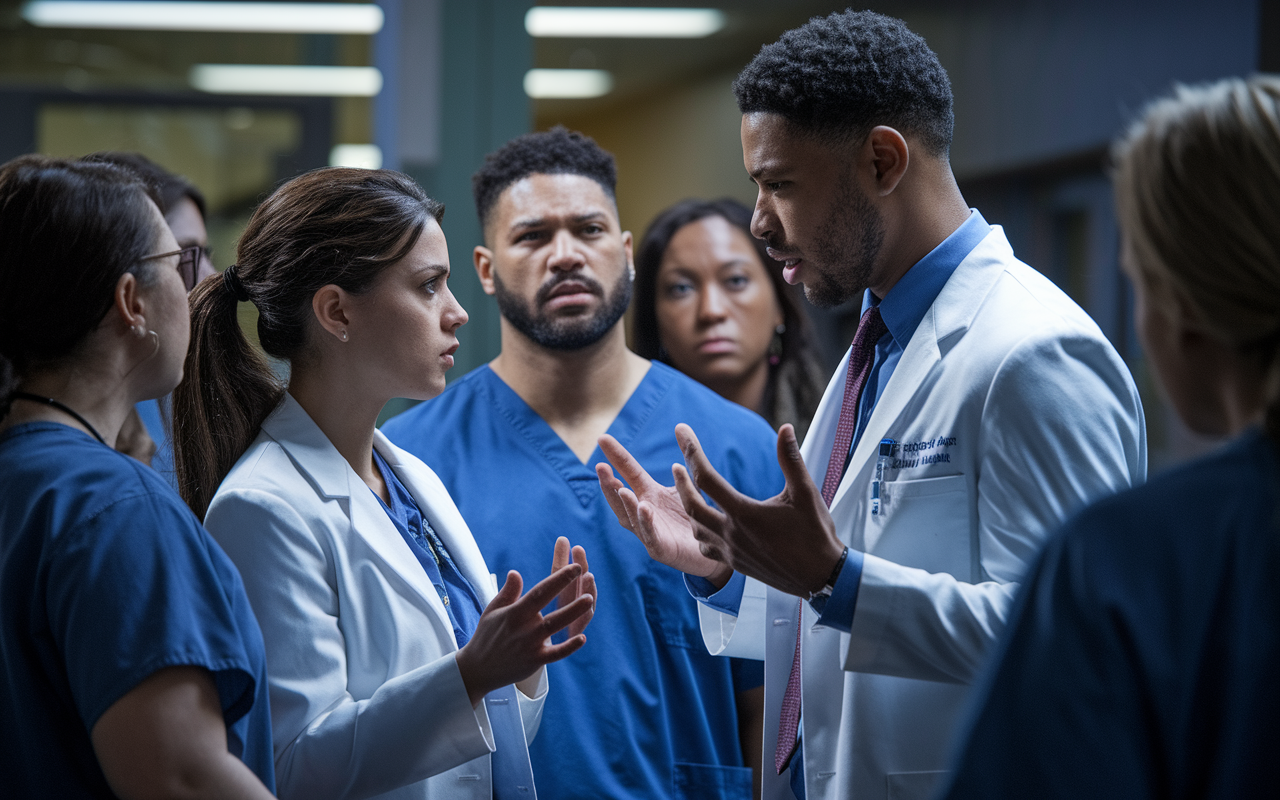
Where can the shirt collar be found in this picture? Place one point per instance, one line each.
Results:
(909, 300)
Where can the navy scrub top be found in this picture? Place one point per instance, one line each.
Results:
(105, 578)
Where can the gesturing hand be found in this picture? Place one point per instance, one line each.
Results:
(511, 640)
(788, 541)
(655, 514)
(584, 585)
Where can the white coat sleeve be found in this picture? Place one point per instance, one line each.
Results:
(327, 744)
(1061, 426)
(741, 636)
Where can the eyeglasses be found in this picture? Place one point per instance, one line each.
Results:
(189, 259)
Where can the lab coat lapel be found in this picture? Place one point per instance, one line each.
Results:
(950, 315)
(434, 501)
(319, 461)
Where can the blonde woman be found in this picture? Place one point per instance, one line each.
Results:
(1142, 660)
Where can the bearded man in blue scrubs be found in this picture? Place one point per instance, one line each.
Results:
(642, 711)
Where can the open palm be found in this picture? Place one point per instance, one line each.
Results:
(653, 512)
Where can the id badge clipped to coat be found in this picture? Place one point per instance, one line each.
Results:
(879, 486)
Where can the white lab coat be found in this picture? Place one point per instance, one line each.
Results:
(1012, 411)
(365, 691)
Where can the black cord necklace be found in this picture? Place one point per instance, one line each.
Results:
(49, 401)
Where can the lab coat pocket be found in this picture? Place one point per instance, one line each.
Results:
(920, 526)
(710, 782)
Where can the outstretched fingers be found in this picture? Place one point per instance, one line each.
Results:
(561, 617)
(799, 481)
(560, 554)
(546, 589)
(704, 475)
(626, 465)
(555, 652)
(622, 501)
(699, 511)
(510, 591)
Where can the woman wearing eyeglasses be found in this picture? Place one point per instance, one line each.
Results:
(146, 433)
(132, 663)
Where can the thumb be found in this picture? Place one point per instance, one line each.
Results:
(510, 591)
(799, 482)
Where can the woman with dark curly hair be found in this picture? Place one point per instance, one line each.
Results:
(711, 303)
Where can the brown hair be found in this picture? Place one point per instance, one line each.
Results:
(68, 231)
(1197, 180)
(797, 380)
(330, 226)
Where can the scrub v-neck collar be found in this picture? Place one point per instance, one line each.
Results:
(581, 477)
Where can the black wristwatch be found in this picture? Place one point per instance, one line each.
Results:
(818, 600)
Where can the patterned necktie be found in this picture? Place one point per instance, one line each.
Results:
(862, 354)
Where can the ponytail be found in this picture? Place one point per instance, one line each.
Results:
(329, 226)
(226, 392)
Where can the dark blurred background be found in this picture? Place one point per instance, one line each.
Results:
(430, 86)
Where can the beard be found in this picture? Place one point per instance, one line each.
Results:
(847, 243)
(571, 333)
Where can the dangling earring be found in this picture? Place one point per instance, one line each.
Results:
(156, 336)
(343, 335)
(775, 344)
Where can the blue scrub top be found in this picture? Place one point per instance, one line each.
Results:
(105, 578)
(1142, 657)
(642, 711)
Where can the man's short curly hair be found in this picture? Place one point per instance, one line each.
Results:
(841, 75)
(558, 151)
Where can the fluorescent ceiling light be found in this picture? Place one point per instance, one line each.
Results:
(363, 156)
(207, 16)
(567, 83)
(286, 80)
(673, 23)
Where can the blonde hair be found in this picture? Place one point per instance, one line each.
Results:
(1197, 182)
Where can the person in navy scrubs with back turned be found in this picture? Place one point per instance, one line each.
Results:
(132, 663)
(642, 711)
(1143, 658)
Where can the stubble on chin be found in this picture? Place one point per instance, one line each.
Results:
(847, 246)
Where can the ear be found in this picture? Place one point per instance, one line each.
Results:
(889, 156)
(483, 258)
(129, 307)
(628, 244)
(329, 304)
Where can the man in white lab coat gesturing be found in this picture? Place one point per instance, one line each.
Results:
(977, 408)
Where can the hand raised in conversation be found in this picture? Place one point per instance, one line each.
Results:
(512, 639)
(655, 514)
(585, 584)
(787, 542)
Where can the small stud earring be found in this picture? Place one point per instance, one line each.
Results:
(138, 330)
(344, 334)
